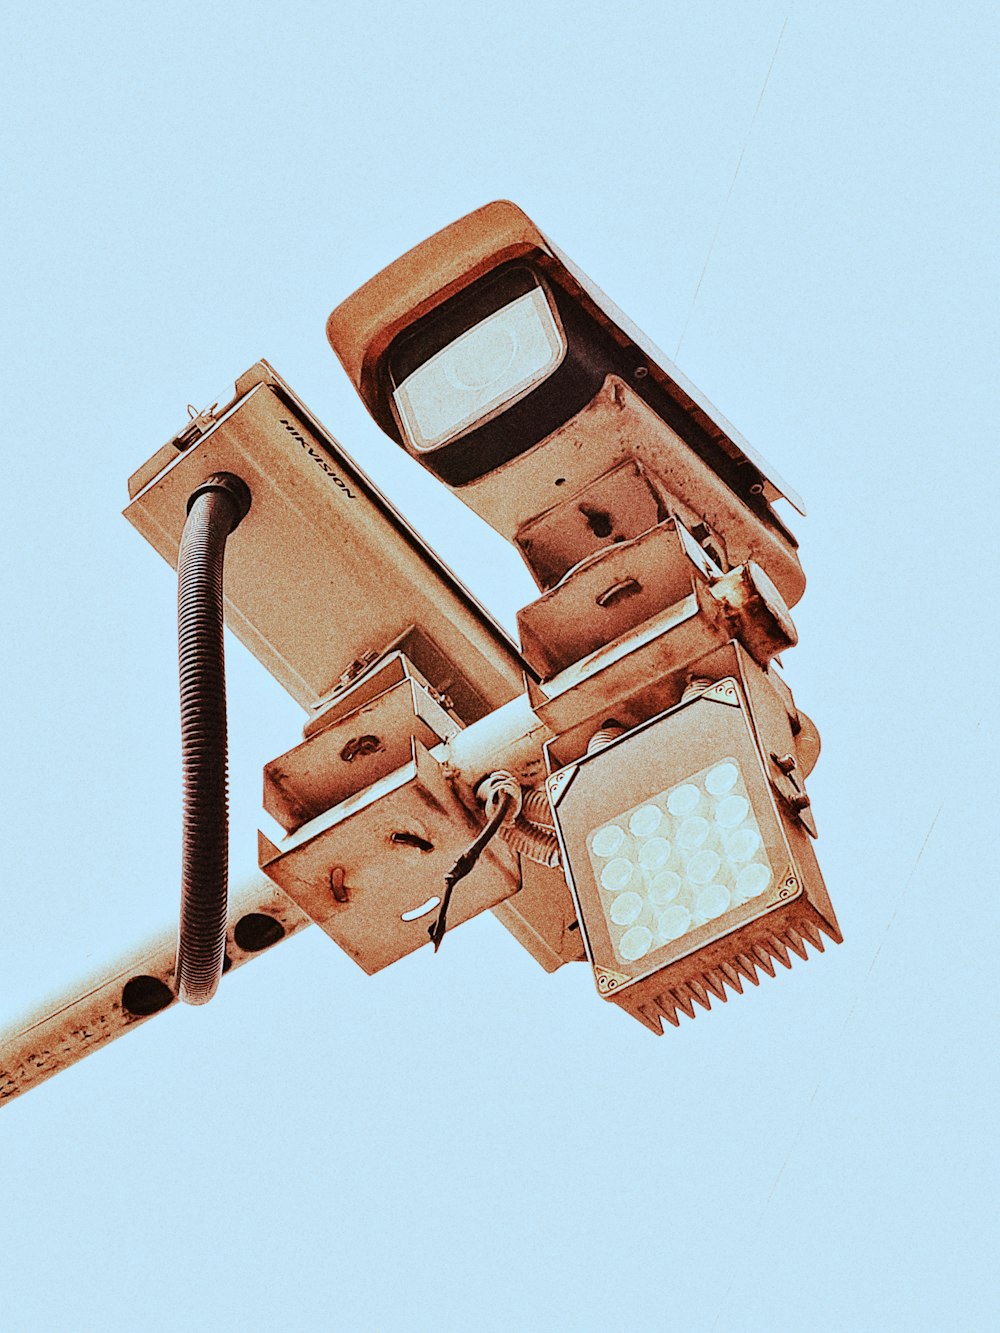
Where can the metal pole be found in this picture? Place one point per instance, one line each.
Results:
(128, 992)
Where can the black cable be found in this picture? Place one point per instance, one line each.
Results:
(465, 863)
(214, 510)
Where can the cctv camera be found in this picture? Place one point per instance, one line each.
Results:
(326, 578)
(502, 369)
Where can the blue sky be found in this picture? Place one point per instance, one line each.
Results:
(464, 1142)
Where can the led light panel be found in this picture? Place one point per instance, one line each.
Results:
(487, 367)
(689, 867)
(678, 860)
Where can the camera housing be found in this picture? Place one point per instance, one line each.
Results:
(501, 368)
(324, 577)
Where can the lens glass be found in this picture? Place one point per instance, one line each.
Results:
(485, 369)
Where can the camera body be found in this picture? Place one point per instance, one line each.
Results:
(501, 368)
(324, 577)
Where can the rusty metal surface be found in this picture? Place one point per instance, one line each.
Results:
(545, 921)
(743, 717)
(352, 752)
(725, 965)
(631, 679)
(615, 427)
(609, 595)
(637, 675)
(615, 507)
(339, 555)
(390, 847)
(753, 610)
(644, 671)
(92, 1014)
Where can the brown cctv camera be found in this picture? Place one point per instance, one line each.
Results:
(503, 370)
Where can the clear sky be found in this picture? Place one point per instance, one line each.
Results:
(463, 1142)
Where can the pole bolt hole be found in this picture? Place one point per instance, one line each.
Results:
(142, 996)
(257, 931)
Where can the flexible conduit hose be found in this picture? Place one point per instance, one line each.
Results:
(214, 510)
(536, 809)
(533, 834)
(537, 844)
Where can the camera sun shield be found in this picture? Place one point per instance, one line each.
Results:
(483, 351)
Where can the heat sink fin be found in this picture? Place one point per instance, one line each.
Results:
(732, 977)
(778, 950)
(716, 984)
(831, 932)
(662, 996)
(763, 959)
(699, 992)
(744, 964)
(810, 932)
(649, 1016)
(795, 942)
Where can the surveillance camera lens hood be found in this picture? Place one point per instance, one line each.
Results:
(513, 427)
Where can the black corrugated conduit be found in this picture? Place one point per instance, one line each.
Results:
(214, 510)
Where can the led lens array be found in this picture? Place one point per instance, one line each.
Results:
(680, 859)
(486, 367)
